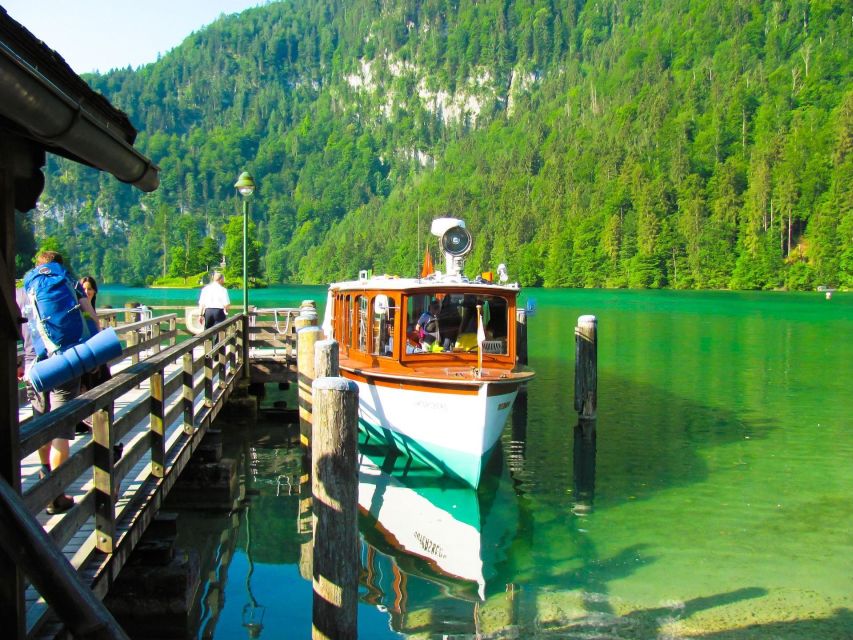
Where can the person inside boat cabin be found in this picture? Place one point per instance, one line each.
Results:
(428, 322)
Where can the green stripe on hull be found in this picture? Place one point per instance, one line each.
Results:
(450, 462)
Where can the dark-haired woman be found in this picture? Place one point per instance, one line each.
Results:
(91, 379)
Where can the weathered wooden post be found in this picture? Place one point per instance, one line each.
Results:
(128, 316)
(334, 484)
(308, 309)
(132, 341)
(325, 365)
(326, 359)
(306, 338)
(208, 372)
(586, 367)
(187, 393)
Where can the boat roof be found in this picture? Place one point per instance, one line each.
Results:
(430, 283)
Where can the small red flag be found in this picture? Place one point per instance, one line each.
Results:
(428, 268)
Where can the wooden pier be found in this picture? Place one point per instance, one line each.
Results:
(146, 423)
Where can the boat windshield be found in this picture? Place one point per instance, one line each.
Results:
(448, 322)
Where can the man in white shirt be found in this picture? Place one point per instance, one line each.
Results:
(213, 301)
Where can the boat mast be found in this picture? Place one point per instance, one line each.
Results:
(418, 265)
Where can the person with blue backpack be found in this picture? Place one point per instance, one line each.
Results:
(59, 316)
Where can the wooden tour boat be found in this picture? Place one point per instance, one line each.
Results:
(434, 357)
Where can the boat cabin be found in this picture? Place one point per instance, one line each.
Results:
(408, 323)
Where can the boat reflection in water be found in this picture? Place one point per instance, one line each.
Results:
(430, 537)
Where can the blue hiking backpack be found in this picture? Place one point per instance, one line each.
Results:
(55, 319)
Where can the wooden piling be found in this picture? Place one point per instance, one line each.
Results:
(300, 322)
(326, 359)
(308, 308)
(306, 338)
(586, 367)
(129, 317)
(307, 315)
(334, 484)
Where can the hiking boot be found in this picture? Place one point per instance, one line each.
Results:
(60, 505)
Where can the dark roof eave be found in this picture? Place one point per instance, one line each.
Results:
(48, 116)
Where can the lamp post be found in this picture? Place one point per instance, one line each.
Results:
(245, 186)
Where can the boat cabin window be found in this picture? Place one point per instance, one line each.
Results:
(384, 315)
(362, 312)
(448, 323)
(346, 324)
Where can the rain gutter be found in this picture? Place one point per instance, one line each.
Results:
(49, 116)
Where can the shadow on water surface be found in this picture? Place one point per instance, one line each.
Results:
(839, 626)
(667, 623)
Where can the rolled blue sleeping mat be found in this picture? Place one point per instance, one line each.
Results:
(72, 363)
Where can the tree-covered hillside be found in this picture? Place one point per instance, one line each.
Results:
(640, 143)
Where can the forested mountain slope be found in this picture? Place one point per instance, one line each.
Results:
(642, 143)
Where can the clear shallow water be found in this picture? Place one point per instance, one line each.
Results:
(715, 500)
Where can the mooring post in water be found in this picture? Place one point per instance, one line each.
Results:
(306, 338)
(334, 485)
(307, 318)
(326, 359)
(303, 321)
(586, 367)
(307, 312)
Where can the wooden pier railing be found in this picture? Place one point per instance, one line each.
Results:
(272, 334)
(272, 330)
(160, 407)
(167, 388)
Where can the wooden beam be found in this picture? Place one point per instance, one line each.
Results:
(12, 610)
(105, 483)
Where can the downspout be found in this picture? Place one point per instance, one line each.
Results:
(51, 117)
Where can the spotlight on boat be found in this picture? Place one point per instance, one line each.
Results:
(455, 241)
(503, 276)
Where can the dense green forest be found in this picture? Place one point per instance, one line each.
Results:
(617, 143)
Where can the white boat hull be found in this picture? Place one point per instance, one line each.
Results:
(451, 427)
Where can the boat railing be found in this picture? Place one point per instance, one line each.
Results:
(494, 346)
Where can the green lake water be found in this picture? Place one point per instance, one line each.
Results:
(715, 499)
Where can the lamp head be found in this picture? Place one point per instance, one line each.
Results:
(455, 241)
(245, 184)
